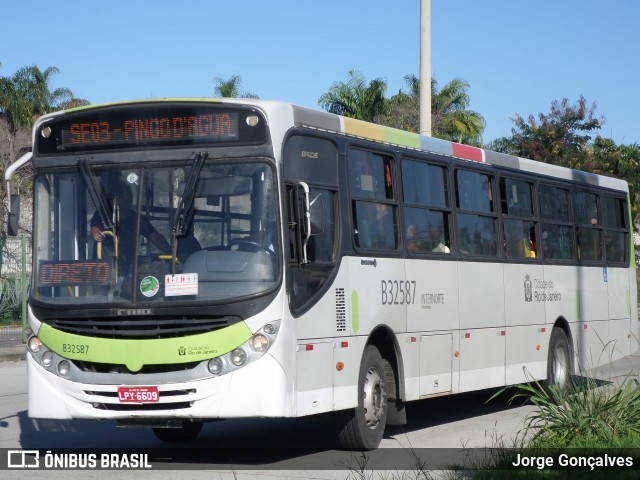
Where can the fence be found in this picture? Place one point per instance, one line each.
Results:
(15, 261)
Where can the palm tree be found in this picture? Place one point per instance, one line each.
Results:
(24, 97)
(16, 112)
(231, 88)
(450, 118)
(356, 98)
(43, 99)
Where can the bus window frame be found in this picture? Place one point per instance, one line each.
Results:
(392, 202)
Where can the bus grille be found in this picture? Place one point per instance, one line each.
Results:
(94, 367)
(149, 327)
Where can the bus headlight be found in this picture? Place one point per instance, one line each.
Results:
(63, 368)
(34, 344)
(238, 357)
(259, 343)
(47, 359)
(250, 351)
(215, 366)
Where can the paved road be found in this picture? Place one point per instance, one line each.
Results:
(281, 448)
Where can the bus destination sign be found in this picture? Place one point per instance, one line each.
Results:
(147, 127)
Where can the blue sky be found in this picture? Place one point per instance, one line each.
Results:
(518, 56)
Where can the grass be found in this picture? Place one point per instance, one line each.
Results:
(582, 416)
(10, 318)
(587, 420)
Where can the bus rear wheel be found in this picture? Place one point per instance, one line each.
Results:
(187, 432)
(362, 428)
(559, 361)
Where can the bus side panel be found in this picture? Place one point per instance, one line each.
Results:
(558, 292)
(378, 294)
(619, 294)
(329, 317)
(434, 286)
(482, 325)
(434, 308)
(527, 337)
(521, 306)
(620, 331)
(594, 293)
(527, 353)
(314, 377)
(345, 368)
(633, 302)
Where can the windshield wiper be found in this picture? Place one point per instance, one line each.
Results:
(184, 211)
(96, 195)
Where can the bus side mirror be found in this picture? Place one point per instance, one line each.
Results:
(13, 215)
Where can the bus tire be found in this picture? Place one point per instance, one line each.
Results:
(362, 428)
(559, 360)
(187, 432)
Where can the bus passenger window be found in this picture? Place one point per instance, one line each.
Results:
(557, 236)
(616, 235)
(476, 230)
(518, 225)
(427, 231)
(375, 225)
(588, 230)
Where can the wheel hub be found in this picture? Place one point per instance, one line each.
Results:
(375, 398)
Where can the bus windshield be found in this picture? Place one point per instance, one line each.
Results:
(186, 230)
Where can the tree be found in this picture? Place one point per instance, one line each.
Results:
(404, 108)
(231, 88)
(558, 137)
(23, 98)
(563, 137)
(450, 117)
(604, 157)
(356, 98)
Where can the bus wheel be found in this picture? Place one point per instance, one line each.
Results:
(362, 428)
(188, 431)
(559, 360)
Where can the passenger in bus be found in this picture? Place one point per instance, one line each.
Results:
(127, 229)
(437, 242)
(413, 242)
(377, 228)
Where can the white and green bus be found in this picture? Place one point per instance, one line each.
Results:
(199, 259)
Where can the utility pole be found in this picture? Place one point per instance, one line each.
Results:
(425, 67)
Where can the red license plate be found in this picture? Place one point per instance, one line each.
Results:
(138, 394)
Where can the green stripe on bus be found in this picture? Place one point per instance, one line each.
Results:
(400, 137)
(137, 353)
(632, 248)
(355, 314)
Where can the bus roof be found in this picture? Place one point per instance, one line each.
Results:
(319, 120)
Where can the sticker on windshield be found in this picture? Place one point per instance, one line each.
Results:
(149, 286)
(181, 284)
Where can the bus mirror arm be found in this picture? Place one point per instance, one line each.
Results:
(13, 214)
(305, 231)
